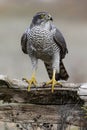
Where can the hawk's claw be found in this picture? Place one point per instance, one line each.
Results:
(30, 82)
(53, 82)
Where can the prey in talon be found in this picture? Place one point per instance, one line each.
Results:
(42, 40)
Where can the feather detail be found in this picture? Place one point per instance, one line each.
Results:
(62, 75)
(24, 43)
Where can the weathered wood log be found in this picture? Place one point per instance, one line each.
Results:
(63, 106)
(54, 114)
(13, 90)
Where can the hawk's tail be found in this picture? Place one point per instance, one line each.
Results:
(61, 75)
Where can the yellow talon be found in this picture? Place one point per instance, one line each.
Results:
(53, 81)
(31, 81)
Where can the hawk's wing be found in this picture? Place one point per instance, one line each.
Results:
(24, 40)
(60, 41)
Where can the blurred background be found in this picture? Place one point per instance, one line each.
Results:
(70, 16)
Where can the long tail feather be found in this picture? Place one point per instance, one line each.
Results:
(61, 75)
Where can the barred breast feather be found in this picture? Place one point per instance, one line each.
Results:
(43, 44)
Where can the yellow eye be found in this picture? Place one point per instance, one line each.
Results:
(42, 15)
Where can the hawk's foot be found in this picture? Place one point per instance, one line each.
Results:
(30, 82)
(53, 82)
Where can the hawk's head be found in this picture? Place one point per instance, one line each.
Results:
(41, 17)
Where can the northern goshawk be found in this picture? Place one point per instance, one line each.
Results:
(42, 40)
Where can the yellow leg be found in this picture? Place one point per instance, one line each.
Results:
(53, 81)
(31, 81)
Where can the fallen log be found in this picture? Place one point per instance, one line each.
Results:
(40, 105)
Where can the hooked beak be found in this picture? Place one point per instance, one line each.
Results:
(50, 17)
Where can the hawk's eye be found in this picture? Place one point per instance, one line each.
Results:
(42, 16)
